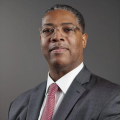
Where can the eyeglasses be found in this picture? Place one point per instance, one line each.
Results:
(66, 30)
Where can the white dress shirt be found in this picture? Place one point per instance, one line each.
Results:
(63, 83)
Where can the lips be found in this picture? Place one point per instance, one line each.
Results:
(58, 49)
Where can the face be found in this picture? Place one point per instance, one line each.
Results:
(59, 50)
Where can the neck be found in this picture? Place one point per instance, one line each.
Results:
(56, 72)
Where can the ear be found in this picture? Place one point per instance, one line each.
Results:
(40, 38)
(84, 39)
(40, 42)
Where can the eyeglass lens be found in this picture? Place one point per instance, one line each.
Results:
(65, 30)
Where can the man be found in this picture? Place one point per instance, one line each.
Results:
(77, 94)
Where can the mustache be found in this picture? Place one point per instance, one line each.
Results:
(58, 46)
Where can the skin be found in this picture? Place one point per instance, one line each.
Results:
(68, 51)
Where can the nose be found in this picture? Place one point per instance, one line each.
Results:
(57, 36)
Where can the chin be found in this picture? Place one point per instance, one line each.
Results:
(59, 63)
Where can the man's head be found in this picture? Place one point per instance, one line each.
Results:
(77, 14)
(62, 37)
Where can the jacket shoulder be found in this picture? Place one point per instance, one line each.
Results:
(26, 95)
(21, 102)
(104, 85)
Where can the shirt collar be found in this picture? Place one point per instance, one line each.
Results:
(65, 81)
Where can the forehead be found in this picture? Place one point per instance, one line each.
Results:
(57, 17)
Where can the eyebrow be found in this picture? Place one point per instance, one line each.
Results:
(48, 24)
(67, 24)
(51, 24)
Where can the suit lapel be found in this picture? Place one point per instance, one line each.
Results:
(73, 94)
(35, 102)
(69, 100)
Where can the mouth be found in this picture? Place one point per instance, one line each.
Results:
(58, 49)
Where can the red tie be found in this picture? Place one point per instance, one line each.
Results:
(50, 103)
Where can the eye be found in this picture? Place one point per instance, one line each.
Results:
(48, 30)
(68, 29)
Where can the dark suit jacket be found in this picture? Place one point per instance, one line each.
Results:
(88, 98)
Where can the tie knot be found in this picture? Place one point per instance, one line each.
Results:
(52, 89)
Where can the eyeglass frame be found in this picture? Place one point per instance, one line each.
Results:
(55, 28)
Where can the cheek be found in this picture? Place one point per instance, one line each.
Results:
(44, 43)
(75, 43)
(45, 47)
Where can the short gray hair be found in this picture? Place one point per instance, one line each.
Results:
(77, 14)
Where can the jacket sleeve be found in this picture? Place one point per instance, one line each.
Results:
(111, 110)
(9, 111)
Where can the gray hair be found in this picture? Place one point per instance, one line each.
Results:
(77, 14)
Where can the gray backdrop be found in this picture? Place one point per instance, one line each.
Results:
(22, 65)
